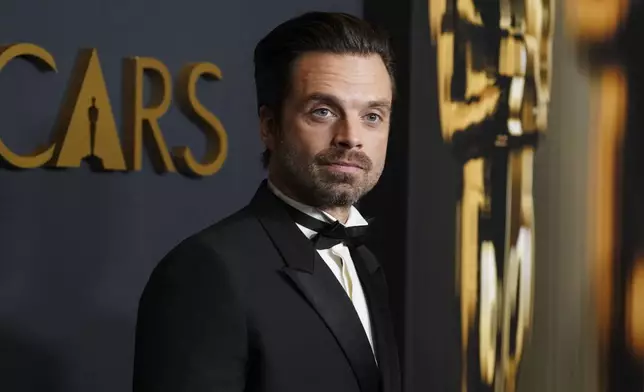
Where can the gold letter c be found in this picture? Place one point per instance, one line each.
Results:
(44, 61)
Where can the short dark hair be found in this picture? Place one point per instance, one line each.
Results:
(325, 32)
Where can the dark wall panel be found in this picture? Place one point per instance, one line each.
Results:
(433, 325)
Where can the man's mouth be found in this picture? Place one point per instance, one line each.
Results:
(344, 166)
(345, 163)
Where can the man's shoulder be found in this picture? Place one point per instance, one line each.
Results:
(230, 225)
(236, 242)
(216, 248)
(232, 231)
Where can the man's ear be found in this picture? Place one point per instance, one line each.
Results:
(268, 127)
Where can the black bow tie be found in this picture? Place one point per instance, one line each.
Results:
(329, 234)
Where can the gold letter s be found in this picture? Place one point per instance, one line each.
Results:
(217, 148)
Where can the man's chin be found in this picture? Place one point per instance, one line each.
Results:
(338, 194)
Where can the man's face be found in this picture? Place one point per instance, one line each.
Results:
(329, 148)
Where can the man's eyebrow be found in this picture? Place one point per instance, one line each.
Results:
(383, 104)
(380, 104)
(326, 98)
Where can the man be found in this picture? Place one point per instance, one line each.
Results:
(282, 296)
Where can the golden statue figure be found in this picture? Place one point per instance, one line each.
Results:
(494, 75)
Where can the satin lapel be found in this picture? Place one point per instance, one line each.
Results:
(332, 304)
(375, 288)
(315, 281)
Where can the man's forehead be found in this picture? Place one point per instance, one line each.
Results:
(346, 78)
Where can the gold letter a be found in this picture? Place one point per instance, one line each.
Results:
(86, 128)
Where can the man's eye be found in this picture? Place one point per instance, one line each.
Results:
(373, 117)
(322, 112)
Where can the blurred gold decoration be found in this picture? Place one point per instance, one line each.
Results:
(609, 34)
(494, 75)
(635, 309)
(595, 21)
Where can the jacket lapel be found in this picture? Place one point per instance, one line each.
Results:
(375, 288)
(305, 268)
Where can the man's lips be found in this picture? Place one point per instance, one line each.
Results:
(345, 164)
(344, 167)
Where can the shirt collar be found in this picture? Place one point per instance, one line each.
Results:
(354, 219)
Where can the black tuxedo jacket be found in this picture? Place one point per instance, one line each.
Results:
(249, 305)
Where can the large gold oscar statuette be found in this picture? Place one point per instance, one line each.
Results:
(609, 32)
(494, 73)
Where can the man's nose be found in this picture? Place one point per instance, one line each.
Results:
(348, 134)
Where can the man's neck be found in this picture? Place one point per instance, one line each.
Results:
(339, 213)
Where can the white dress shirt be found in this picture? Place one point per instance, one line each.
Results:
(338, 258)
